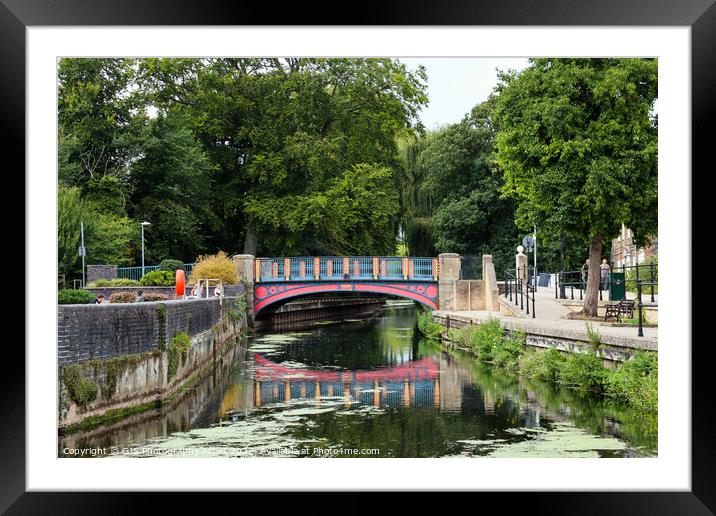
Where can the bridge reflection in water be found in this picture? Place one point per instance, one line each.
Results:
(414, 384)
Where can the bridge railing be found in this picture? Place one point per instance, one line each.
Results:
(332, 268)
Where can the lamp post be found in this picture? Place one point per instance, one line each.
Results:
(562, 293)
(145, 223)
(82, 250)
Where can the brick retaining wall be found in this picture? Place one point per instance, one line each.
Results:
(229, 290)
(86, 332)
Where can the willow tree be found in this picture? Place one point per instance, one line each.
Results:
(577, 142)
(416, 205)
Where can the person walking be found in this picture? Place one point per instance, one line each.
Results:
(98, 300)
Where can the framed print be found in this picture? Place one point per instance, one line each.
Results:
(429, 240)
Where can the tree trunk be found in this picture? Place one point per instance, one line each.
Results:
(591, 297)
(251, 242)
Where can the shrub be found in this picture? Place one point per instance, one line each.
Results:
(98, 283)
(123, 297)
(177, 349)
(218, 266)
(635, 382)
(116, 282)
(593, 336)
(427, 326)
(507, 353)
(491, 343)
(484, 338)
(155, 296)
(236, 311)
(123, 282)
(158, 279)
(82, 390)
(644, 274)
(74, 297)
(583, 371)
(171, 265)
(544, 365)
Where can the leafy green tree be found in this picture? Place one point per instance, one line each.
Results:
(282, 131)
(172, 189)
(577, 143)
(111, 238)
(69, 215)
(98, 125)
(461, 177)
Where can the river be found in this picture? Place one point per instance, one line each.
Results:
(372, 388)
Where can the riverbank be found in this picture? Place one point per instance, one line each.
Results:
(634, 381)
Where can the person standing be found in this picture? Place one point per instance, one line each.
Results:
(585, 272)
(604, 271)
(98, 300)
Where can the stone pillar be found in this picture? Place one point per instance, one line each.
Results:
(449, 274)
(245, 271)
(244, 267)
(521, 264)
(489, 281)
(95, 272)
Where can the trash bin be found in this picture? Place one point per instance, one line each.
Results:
(543, 280)
(617, 287)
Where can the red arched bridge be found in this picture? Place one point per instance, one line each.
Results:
(278, 280)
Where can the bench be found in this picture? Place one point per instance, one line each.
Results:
(623, 307)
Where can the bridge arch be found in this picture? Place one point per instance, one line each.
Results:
(268, 294)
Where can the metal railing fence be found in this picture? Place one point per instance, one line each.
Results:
(317, 268)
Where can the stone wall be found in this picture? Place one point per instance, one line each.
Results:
(192, 316)
(95, 272)
(469, 295)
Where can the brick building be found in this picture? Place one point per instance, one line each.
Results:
(625, 252)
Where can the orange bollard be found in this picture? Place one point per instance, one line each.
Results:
(180, 287)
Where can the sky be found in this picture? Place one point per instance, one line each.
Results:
(457, 84)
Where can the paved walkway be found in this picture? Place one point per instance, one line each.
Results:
(551, 320)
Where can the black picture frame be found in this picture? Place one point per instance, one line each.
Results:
(17, 15)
